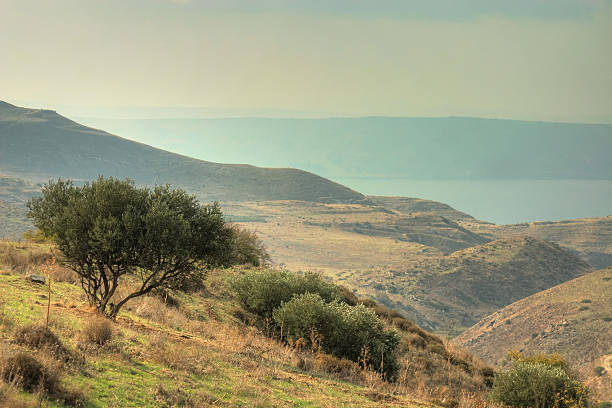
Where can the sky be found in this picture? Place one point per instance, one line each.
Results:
(520, 59)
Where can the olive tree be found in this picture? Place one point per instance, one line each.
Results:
(109, 229)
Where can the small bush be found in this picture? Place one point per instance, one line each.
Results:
(40, 337)
(97, 331)
(261, 292)
(538, 385)
(343, 368)
(247, 248)
(305, 364)
(410, 340)
(26, 371)
(352, 332)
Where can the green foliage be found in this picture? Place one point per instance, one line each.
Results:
(37, 236)
(538, 385)
(552, 360)
(260, 292)
(351, 332)
(248, 248)
(109, 228)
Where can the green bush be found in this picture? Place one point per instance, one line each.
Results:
(260, 292)
(538, 385)
(248, 248)
(351, 332)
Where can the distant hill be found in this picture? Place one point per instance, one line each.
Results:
(40, 144)
(411, 205)
(422, 227)
(573, 318)
(13, 220)
(406, 260)
(14, 193)
(591, 237)
(457, 290)
(447, 148)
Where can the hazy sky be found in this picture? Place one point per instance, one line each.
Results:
(522, 59)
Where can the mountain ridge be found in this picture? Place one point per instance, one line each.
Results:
(41, 144)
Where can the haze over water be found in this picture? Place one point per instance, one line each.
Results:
(503, 201)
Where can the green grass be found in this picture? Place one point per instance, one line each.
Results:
(149, 364)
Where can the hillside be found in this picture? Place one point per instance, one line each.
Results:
(409, 205)
(438, 265)
(573, 319)
(40, 144)
(199, 349)
(404, 261)
(590, 237)
(454, 291)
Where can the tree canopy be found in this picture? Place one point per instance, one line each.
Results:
(108, 229)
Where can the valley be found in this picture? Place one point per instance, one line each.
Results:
(572, 319)
(438, 266)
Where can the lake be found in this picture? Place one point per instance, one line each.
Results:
(502, 201)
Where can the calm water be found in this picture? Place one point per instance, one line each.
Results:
(503, 201)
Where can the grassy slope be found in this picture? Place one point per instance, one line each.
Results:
(574, 319)
(40, 144)
(201, 352)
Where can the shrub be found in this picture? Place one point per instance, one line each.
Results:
(538, 385)
(352, 332)
(26, 371)
(343, 368)
(248, 248)
(261, 292)
(37, 236)
(97, 331)
(553, 360)
(38, 337)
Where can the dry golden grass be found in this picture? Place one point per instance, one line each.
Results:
(418, 280)
(30, 258)
(572, 319)
(201, 342)
(97, 330)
